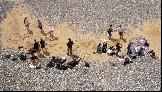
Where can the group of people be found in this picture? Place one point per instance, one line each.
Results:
(132, 50)
(64, 63)
(40, 26)
(103, 48)
(37, 47)
(119, 29)
(135, 50)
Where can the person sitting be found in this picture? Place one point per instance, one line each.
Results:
(142, 41)
(104, 47)
(141, 53)
(58, 63)
(129, 48)
(152, 54)
(23, 56)
(139, 50)
(133, 52)
(121, 59)
(99, 48)
(118, 47)
(36, 46)
(146, 44)
(61, 63)
(74, 62)
(110, 51)
(52, 62)
(34, 64)
(13, 58)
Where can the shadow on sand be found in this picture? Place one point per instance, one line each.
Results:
(124, 40)
(44, 34)
(47, 53)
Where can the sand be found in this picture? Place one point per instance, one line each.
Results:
(15, 34)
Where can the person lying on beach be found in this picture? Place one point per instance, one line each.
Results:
(52, 62)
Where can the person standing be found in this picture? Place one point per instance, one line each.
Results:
(109, 32)
(43, 44)
(40, 25)
(120, 30)
(26, 23)
(69, 45)
(51, 31)
(129, 48)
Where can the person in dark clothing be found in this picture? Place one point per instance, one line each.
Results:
(52, 62)
(104, 47)
(36, 46)
(99, 48)
(61, 64)
(69, 45)
(152, 54)
(146, 44)
(74, 62)
(118, 47)
(128, 48)
(109, 32)
(140, 52)
(43, 44)
(40, 25)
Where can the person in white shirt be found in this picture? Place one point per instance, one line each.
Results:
(120, 30)
(110, 51)
(121, 59)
